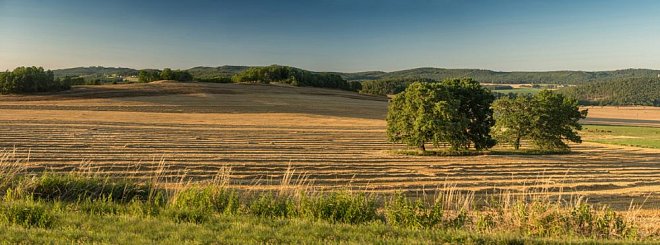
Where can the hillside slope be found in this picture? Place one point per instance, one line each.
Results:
(635, 91)
(486, 76)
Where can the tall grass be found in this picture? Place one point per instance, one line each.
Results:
(35, 201)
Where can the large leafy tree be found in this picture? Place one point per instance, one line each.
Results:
(513, 119)
(475, 105)
(556, 119)
(547, 119)
(424, 112)
(456, 112)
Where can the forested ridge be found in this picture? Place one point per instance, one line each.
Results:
(484, 76)
(634, 91)
(488, 76)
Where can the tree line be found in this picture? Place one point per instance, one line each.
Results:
(388, 86)
(488, 76)
(296, 77)
(464, 114)
(31, 79)
(146, 76)
(635, 91)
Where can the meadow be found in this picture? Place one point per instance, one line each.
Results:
(624, 135)
(325, 140)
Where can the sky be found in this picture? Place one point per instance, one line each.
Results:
(332, 35)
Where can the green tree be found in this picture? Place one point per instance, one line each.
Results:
(547, 119)
(30, 79)
(513, 119)
(475, 108)
(457, 112)
(424, 112)
(556, 119)
(145, 76)
(167, 74)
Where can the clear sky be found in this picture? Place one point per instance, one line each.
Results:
(333, 35)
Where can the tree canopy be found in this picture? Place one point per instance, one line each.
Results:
(635, 91)
(30, 79)
(166, 74)
(293, 76)
(547, 119)
(456, 112)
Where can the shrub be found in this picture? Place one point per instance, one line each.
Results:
(404, 211)
(189, 215)
(342, 207)
(75, 188)
(198, 204)
(26, 213)
(211, 198)
(269, 205)
(101, 206)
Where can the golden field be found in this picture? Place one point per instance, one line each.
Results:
(335, 139)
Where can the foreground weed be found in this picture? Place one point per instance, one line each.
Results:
(26, 212)
(403, 211)
(342, 207)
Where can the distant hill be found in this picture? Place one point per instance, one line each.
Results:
(486, 76)
(94, 71)
(632, 91)
(215, 72)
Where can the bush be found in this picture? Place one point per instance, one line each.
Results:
(26, 213)
(189, 215)
(342, 207)
(75, 188)
(209, 198)
(268, 205)
(404, 211)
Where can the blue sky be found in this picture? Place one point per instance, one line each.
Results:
(332, 35)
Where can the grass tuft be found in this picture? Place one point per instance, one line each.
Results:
(27, 213)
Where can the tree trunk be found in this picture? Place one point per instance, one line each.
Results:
(422, 148)
(516, 144)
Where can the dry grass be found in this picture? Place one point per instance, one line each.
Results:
(261, 132)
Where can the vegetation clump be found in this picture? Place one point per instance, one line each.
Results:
(456, 112)
(30, 80)
(547, 119)
(145, 76)
(632, 91)
(524, 215)
(294, 76)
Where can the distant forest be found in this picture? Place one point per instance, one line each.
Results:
(634, 91)
(620, 87)
(295, 76)
(438, 74)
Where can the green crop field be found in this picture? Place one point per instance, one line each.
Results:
(519, 90)
(648, 137)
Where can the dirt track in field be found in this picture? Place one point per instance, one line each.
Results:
(335, 138)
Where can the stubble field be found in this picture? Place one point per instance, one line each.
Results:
(334, 139)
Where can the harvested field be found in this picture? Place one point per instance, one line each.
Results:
(335, 138)
(624, 115)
